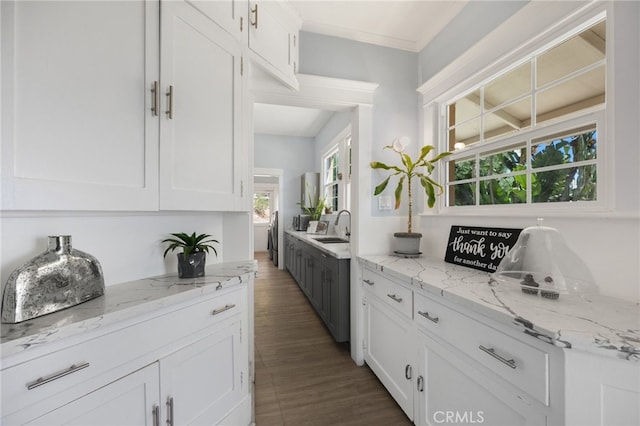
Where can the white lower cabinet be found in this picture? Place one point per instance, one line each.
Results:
(202, 381)
(130, 400)
(450, 390)
(443, 367)
(387, 350)
(184, 366)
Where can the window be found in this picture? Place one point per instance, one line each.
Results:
(330, 179)
(531, 135)
(336, 172)
(262, 207)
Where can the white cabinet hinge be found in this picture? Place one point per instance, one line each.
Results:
(364, 346)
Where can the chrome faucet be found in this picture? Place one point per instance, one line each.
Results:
(347, 233)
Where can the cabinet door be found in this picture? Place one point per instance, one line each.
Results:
(229, 14)
(271, 37)
(78, 131)
(329, 285)
(201, 133)
(450, 390)
(131, 400)
(204, 381)
(387, 342)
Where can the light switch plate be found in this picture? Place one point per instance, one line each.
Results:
(385, 202)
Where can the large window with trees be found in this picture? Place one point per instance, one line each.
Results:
(532, 134)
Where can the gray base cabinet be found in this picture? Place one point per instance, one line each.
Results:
(324, 279)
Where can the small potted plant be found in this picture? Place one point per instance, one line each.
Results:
(408, 243)
(192, 259)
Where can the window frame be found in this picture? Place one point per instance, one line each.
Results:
(435, 123)
(341, 144)
(595, 118)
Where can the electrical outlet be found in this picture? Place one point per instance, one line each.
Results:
(385, 202)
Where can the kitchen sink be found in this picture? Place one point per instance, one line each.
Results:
(331, 240)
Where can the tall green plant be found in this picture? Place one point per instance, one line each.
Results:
(420, 168)
(316, 205)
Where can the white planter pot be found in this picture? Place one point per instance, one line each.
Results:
(407, 244)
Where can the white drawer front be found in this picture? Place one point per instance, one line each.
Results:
(524, 366)
(393, 294)
(79, 365)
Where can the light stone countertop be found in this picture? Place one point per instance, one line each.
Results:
(121, 302)
(593, 323)
(337, 250)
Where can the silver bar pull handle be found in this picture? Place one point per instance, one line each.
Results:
(420, 384)
(169, 411)
(429, 317)
(255, 14)
(508, 362)
(156, 415)
(170, 103)
(155, 104)
(407, 372)
(44, 380)
(223, 309)
(394, 298)
(369, 282)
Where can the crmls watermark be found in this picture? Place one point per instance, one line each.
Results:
(466, 417)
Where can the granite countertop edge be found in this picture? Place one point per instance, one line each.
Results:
(339, 251)
(598, 324)
(120, 304)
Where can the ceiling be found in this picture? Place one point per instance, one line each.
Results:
(407, 25)
(288, 120)
(401, 24)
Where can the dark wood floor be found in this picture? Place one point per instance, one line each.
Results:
(302, 376)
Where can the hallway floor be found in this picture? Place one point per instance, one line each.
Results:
(303, 377)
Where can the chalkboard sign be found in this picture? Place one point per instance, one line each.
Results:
(479, 248)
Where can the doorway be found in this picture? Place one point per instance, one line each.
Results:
(267, 202)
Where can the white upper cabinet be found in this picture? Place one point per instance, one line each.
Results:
(231, 15)
(273, 39)
(115, 106)
(201, 123)
(77, 129)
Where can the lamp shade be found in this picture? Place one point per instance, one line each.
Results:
(542, 263)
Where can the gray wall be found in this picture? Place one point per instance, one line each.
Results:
(395, 109)
(475, 20)
(294, 155)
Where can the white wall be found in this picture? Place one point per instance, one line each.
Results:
(128, 245)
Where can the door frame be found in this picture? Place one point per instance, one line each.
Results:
(277, 173)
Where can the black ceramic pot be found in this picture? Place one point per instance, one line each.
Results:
(192, 266)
